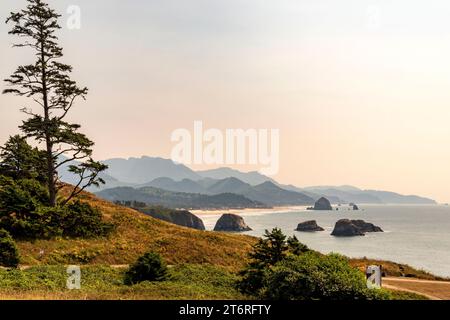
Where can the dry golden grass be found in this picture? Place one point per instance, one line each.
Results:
(392, 269)
(136, 234)
(429, 288)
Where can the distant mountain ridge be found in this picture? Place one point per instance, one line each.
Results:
(266, 192)
(253, 178)
(145, 169)
(356, 195)
(176, 200)
(164, 174)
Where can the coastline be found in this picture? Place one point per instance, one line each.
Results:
(247, 211)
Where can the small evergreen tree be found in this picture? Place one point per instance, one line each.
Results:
(149, 267)
(18, 160)
(9, 255)
(272, 248)
(296, 247)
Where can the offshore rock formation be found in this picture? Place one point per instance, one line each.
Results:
(351, 228)
(309, 226)
(231, 223)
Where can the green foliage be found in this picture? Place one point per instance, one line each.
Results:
(296, 247)
(405, 295)
(105, 282)
(149, 267)
(282, 268)
(314, 276)
(76, 220)
(272, 248)
(9, 255)
(18, 160)
(82, 220)
(20, 201)
(23, 213)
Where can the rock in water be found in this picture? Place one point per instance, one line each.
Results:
(322, 204)
(231, 223)
(366, 226)
(351, 228)
(345, 228)
(309, 226)
(179, 217)
(355, 207)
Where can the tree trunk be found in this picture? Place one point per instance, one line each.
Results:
(51, 183)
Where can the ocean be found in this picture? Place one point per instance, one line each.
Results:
(418, 235)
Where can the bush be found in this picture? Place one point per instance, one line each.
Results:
(282, 268)
(9, 255)
(268, 251)
(315, 276)
(24, 215)
(80, 220)
(149, 267)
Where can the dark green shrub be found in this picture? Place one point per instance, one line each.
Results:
(282, 268)
(314, 276)
(9, 255)
(19, 160)
(149, 267)
(80, 220)
(24, 215)
(269, 250)
(19, 204)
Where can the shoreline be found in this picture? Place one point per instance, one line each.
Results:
(210, 212)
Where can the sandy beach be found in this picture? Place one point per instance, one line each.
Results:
(249, 210)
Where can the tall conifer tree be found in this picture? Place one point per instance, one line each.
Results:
(48, 83)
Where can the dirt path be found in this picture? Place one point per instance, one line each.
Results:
(435, 290)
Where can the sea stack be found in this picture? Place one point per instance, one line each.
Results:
(179, 217)
(231, 223)
(309, 226)
(322, 204)
(351, 228)
(355, 207)
(366, 226)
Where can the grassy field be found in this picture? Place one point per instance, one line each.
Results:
(104, 282)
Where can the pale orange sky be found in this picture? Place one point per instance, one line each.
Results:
(357, 101)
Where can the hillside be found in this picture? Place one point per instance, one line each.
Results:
(271, 194)
(267, 192)
(253, 178)
(233, 185)
(185, 185)
(137, 233)
(170, 199)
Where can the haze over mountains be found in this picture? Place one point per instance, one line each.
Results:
(147, 175)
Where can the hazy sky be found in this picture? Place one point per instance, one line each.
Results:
(360, 90)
